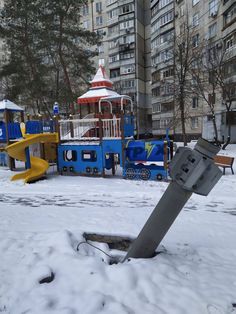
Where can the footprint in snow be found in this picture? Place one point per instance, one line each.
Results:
(214, 309)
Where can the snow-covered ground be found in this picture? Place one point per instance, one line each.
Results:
(42, 224)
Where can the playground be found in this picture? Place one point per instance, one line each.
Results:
(102, 138)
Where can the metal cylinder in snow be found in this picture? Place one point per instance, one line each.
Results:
(191, 171)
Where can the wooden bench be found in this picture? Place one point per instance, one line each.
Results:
(224, 162)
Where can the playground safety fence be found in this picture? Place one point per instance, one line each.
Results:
(89, 128)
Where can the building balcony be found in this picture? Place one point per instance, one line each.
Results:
(230, 52)
(125, 47)
(113, 50)
(231, 79)
(127, 16)
(112, 21)
(227, 4)
(127, 61)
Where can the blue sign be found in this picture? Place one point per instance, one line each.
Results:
(56, 108)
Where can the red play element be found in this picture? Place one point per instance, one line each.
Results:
(101, 86)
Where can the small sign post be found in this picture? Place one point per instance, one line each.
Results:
(55, 108)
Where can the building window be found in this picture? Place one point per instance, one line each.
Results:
(195, 21)
(156, 108)
(194, 122)
(167, 73)
(112, 14)
(99, 20)
(164, 56)
(127, 24)
(167, 90)
(109, 2)
(85, 10)
(230, 69)
(113, 30)
(117, 86)
(230, 41)
(156, 91)
(212, 98)
(154, 43)
(230, 15)
(114, 58)
(155, 77)
(113, 43)
(213, 7)
(167, 37)
(127, 39)
(166, 18)
(127, 55)
(100, 49)
(115, 73)
(212, 30)
(195, 41)
(86, 24)
(195, 102)
(98, 7)
(165, 123)
(154, 9)
(156, 124)
(195, 2)
(164, 3)
(128, 84)
(127, 8)
(167, 107)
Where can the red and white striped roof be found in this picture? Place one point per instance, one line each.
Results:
(101, 86)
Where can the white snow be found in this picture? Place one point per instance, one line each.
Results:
(6, 104)
(98, 92)
(42, 224)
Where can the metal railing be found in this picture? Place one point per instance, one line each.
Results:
(111, 128)
(90, 129)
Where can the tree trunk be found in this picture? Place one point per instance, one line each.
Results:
(229, 123)
(67, 78)
(215, 128)
(182, 117)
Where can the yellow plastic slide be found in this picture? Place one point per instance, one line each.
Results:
(38, 165)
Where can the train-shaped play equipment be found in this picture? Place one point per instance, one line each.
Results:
(97, 143)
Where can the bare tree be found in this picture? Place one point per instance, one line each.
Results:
(223, 63)
(206, 87)
(184, 57)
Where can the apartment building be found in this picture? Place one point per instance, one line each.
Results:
(124, 49)
(211, 23)
(228, 42)
(162, 84)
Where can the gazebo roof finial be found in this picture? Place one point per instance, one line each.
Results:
(101, 79)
